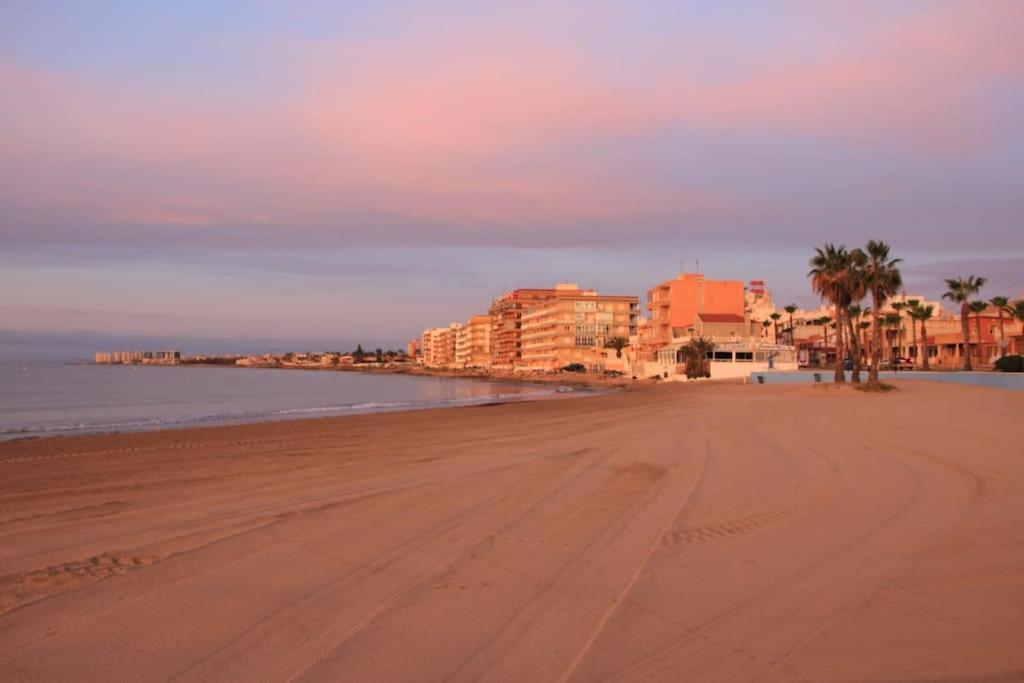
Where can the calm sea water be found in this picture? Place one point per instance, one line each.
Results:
(48, 399)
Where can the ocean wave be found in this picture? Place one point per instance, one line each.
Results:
(163, 422)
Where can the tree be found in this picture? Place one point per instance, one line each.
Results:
(830, 270)
(853, 314)
(700, 348)
(775, 319)
(1002, 305)
(898, 306)
(824, 321)
(791, 309)
(865, 325)
(977, 308)
(853, 292)
(766, 324)
(358, 354)
(912, 307)
(379, 353)
(923, 314)
(882, 279)
(960, 290)
(891, 321)
(1017, 312)
(617, 343)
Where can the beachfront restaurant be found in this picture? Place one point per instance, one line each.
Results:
(733, 358)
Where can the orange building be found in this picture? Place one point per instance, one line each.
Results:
(506, 324)
(573, 327)
(473, 343)
(691, 305)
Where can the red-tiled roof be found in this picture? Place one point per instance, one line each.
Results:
(720, 317)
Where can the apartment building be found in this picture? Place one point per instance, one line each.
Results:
(473, 343)
(574, 327)
(506, 324)
(691, 305)
(437, 346)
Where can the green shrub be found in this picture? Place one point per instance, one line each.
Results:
(1010, 364)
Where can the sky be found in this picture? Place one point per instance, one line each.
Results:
(331, 172)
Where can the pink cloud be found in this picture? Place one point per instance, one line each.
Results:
(483, 125)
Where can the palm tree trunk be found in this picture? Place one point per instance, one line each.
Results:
(965, 328)
(1002, 335)
(876, 346)
(792, 331)
(854, 350)
(924, 342)
(913, 335)
(840, 371)
(977, 321)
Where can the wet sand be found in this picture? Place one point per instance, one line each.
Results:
(698, 533)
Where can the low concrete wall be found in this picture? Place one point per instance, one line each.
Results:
(998, 380)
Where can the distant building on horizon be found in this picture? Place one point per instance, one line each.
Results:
(141, 357)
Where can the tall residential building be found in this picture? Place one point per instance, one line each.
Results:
(691, 305)
(573, 327)
(438, 346)
(473, 343)
(412, 349)
(506, 324)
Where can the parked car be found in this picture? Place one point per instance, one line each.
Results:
(898, 364)
(574, 367)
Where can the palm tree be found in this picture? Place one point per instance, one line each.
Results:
(883, 279)
(892, 321)
(923, 314)
(977, 308)
(1016, 310)
(617, 343)
(853, 313)
(865, 325)
(824, 321)
(960, 290)
(898, 306)
(830, 273)
(1002, 305)
(912, 306)
(775, 318)
(854, 291)
(791, 309)
(766, 324)
(701, 347)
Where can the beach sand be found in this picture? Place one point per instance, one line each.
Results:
(678, 533)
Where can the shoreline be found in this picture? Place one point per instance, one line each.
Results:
(574, 380)
(155, 425)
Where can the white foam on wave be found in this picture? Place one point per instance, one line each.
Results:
(163, 422)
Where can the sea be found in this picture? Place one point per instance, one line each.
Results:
(52, 399)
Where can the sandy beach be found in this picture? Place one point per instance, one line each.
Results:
(698, 533)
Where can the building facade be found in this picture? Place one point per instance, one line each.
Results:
(506, 324)
(437, 346)
(691, 305)
(473, 343)
(574, 327)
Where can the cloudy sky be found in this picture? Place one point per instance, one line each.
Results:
(358, 171)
